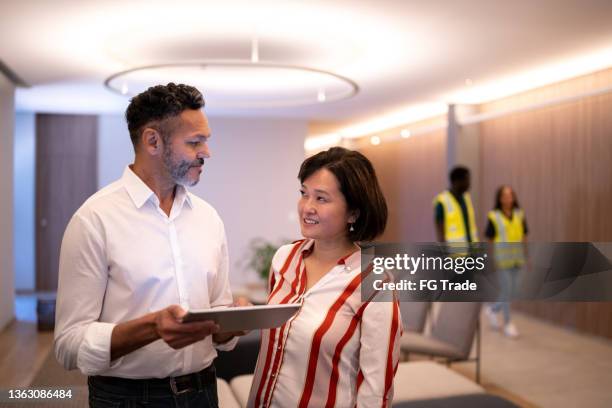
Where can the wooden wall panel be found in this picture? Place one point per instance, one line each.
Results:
(568, 88)
(66, 175)
(411, 172)
(559, 160)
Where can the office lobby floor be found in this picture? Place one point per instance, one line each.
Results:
(547, 366)
(23, 348)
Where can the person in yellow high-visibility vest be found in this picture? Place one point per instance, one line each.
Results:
(507, 230)
(454, 213)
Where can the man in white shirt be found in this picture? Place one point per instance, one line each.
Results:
(136, 255)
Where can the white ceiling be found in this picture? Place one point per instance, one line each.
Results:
(401, 53)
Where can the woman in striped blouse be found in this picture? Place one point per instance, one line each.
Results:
(339, 350)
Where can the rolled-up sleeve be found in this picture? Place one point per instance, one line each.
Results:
(381, 330)
(94, 353)
(81, 341)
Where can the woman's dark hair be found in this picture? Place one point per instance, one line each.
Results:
(358, 184)
(498, 197)
(157, 104)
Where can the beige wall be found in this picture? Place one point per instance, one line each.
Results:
(251, 179)
(7, 120)
(115, 149)
(24, 211)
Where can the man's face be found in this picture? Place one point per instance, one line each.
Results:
(463, 185)
(187, 147)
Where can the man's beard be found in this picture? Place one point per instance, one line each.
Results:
(178, 169)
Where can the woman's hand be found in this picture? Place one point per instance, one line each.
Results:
(221, 338)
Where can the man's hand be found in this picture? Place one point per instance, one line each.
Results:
(221, 338)
(178, 335)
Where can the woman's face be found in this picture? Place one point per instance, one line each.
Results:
(322, 207)
(507, 198)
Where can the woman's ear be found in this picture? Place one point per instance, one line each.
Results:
(353, 215)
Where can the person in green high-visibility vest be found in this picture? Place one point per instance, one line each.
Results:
(507, 230)
(453, 210)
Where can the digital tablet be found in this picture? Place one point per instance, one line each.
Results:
(245, 317)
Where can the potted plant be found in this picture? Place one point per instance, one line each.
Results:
(260, 256)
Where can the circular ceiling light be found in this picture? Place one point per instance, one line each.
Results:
(241, 84)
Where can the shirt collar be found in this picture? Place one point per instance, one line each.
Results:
(183, 196)
(140, 193)
(307, 247)
(350, 261)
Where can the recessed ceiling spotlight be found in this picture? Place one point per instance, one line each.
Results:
(321, 96)
(254, 50)
(405, 133)
(375, 140)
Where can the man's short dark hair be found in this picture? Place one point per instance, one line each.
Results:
(157, 104)
(459, 173)
(358, 184)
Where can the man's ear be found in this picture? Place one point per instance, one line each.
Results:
(151, 141)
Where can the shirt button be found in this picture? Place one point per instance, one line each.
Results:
(278, 348)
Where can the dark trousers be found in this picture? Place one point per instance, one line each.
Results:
(192, 390)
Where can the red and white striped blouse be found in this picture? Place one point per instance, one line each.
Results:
(337, 351)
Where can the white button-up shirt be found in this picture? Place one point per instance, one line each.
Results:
(121, 258)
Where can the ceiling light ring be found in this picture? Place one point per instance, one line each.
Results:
(354, 87)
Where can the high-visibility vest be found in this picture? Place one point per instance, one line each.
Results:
(508, 235)
(454, 225)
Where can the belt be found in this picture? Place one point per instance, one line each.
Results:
(175, 385)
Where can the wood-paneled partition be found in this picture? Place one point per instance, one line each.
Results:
(555, 150)
(559, 160)
(411, 172)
